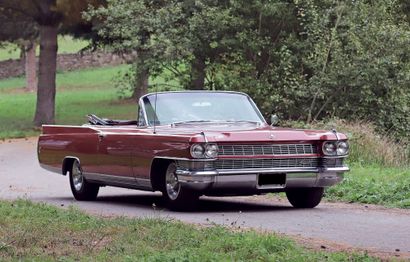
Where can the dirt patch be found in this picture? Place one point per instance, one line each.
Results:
(329, 246)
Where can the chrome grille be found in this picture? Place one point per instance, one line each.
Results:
(266, 163)
(332, 162)
(269, 149)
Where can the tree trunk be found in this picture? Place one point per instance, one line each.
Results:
(46, 91)
(198, 74)
(141, 83)
(31, 67)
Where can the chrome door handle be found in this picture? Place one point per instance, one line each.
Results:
(101, 136)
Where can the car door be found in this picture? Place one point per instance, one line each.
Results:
(115, 154)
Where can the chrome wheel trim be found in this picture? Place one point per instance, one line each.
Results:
(77, 176)
(173, 187)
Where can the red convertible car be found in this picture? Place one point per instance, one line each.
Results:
(188, 144)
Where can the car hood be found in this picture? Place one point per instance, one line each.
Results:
(246, 133)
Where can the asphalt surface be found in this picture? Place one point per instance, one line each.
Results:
(359, 226)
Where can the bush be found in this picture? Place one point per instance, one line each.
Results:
(367, 147)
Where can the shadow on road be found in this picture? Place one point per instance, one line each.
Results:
(206, 204)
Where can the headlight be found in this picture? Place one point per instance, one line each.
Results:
(204, 150)
(333, 148)
(197, 151)
(342, 148)
(329, 148)
(211, 150)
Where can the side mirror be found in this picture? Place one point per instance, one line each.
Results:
(274, 120)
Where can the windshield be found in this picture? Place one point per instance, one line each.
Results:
(196, 107)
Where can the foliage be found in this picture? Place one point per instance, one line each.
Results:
(359, 59)
(344, 59)
(37, 232)
(373, 185)
(305, 60)
(367, 146)
(16, 26)
(48, 17)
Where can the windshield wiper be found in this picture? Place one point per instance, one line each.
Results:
(191, 122)
(243, 121)
(214, 121)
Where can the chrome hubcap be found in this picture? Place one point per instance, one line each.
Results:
(172, 184)
(77, 175)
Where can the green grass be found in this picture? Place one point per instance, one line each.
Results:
(38, 232)
(78, 93)
(374, 185)
(66, 45)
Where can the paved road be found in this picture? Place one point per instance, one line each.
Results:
(373, 229)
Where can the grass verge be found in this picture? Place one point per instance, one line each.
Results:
(78, 93)
(38, 232)
(374, 185)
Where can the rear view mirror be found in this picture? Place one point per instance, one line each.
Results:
(274, 120)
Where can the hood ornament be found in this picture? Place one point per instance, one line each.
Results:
(272, 136)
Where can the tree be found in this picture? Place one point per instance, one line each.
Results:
(306, 60)
(19, 29)
(358, 58)
(49, 16)
(127, 27)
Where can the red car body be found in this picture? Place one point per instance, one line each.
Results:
(252, 158)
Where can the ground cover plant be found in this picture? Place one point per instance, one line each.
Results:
(37, 232)
(373, 185)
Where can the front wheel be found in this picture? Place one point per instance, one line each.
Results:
(305, 197)
(176, 196)
(82, 189)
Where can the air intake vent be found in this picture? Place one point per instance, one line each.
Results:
(272, 149)
(266, 163)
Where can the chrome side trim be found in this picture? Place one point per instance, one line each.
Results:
(127, 182)
(87, 126)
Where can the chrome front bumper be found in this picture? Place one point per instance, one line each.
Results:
(248, 178)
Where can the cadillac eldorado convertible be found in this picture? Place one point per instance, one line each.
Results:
(189, 144)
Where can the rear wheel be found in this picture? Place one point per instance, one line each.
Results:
(82, 189)
(176, 196)
(305, 197)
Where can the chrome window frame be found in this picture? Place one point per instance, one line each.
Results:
(144, 113)
(255, 107)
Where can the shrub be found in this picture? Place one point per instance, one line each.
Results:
(367, 147)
